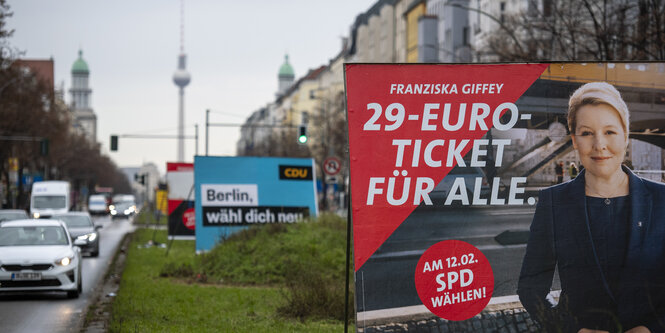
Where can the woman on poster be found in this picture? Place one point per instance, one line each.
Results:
(604, 232)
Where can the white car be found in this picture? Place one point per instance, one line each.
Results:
(38, 255)
(12, 214)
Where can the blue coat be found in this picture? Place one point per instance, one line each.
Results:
(561, 238)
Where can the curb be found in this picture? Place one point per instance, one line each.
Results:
(97, 316)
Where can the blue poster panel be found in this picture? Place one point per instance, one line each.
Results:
(234, 193)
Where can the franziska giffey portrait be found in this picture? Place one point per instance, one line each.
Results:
(603, 232)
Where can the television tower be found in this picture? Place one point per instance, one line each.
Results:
(181, 79)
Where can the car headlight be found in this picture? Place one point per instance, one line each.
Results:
(112, 207)
(64, 261)
(35, 215)
(89, 237)
(113, 212)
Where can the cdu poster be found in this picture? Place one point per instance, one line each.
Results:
(233, 193)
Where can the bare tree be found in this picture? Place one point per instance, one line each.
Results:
(30, 113)
(329, 137)
(582, 30)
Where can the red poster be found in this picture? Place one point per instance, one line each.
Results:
(180, 179)
(472, 185)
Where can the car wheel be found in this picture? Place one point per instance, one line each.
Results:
(77, 292)
(73, 293)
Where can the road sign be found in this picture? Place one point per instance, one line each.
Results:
(332, 166)
(13, 164)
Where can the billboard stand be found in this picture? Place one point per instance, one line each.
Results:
(157, 216)
(189, 197)
(348, 261)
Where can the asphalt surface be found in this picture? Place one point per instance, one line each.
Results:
(52, 311)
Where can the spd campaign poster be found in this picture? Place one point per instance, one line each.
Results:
(234, 193)
(180, 181)
(446, 166)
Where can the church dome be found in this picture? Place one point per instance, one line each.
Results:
(80, 66)
(286, 69)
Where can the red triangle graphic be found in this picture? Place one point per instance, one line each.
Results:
(374, 153)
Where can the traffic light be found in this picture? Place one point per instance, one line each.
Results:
(139, 179)
(43, 147)
(302, 134)
(114, 143)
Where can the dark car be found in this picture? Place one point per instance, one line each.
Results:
(12, 214)
(82, 230)
(123, 209)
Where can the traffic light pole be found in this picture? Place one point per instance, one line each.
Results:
(114, 138)
(208, 124)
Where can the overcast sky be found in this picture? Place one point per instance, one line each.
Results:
(234, 51)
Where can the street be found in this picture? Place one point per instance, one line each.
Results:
(52, 311)
(386, 280)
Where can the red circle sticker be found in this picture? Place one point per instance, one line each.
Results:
(454, 280)
(189, 218)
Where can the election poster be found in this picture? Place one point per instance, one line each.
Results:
(479, 204)
(234, 193)
(181, 216)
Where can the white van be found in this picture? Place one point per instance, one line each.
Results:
(48, 198)
(97, 205)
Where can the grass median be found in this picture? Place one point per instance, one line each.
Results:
(285, 278)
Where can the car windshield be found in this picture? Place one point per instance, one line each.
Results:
(8, 216)
(37, 235)
(123, 205)
(75, 221)
(48, 201)
(97, 202)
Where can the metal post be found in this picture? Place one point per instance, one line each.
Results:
(207, 125)
(196, 139)
(347, 271)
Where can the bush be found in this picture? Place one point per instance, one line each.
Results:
(306, 259)
(309, 294)
(172, 269)
(258, 255)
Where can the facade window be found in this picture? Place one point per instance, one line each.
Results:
(465, 36)
(502, 6)
(547, 8)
